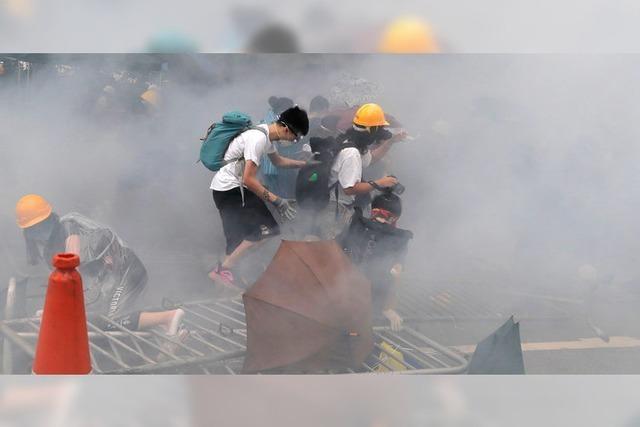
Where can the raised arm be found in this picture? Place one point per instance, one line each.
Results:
(380, 151)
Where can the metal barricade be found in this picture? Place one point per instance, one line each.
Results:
(461, 302)
(216, 343)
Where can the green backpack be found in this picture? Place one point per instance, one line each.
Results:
(219, 136)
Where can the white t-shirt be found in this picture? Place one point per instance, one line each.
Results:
(250, 145)
(347, 170)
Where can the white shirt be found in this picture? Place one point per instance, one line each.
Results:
(250, 145)
(347, 170)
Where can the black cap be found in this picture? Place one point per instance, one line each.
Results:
(389, 202)
(295, 119)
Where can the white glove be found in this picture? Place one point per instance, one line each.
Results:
(285, 209)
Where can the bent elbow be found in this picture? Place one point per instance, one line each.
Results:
(249, 182)
(350, 191)
(276, 160)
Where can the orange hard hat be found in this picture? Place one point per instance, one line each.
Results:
(32, 209)
(408, 35)
(370, 115)
(151, 96)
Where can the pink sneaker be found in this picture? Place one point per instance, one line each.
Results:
(224, 276)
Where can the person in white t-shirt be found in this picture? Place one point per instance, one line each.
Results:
(347, 168)
(240, 197)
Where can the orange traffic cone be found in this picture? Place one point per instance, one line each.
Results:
(63, 344)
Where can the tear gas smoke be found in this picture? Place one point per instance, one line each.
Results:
(522, 170)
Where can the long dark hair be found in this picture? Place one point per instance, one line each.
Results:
(363, 138)
(54, 242)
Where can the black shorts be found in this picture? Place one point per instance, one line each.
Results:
(252, 222)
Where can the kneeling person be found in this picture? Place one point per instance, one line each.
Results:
(112, 274)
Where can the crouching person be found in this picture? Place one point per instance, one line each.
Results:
(112, 274)
(378, 247)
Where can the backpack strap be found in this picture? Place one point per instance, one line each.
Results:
(336, 189)
(264, 132)
(241, 158)
(204, 138)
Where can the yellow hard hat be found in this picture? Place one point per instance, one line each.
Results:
(408, 35)
(370, 115)
(151, 96)
(32, 209)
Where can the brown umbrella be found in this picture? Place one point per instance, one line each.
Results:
(309, 311)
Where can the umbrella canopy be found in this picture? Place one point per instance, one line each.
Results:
(309, 311)
(500, 352)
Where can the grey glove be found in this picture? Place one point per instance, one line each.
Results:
(285, 209)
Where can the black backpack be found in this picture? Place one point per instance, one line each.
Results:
(367, 241)
(312, 182)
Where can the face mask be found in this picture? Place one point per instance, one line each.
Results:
(41, 233)
(286, 143)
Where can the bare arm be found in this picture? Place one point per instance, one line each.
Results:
(285, 162)
(72, 244)
(359, 188)
(251, 181)
(365, 187)
(380, 151)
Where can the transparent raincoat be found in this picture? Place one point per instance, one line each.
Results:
(113, 276)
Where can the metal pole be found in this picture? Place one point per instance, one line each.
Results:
(150, 369)
(7, 348)
(24, 345)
